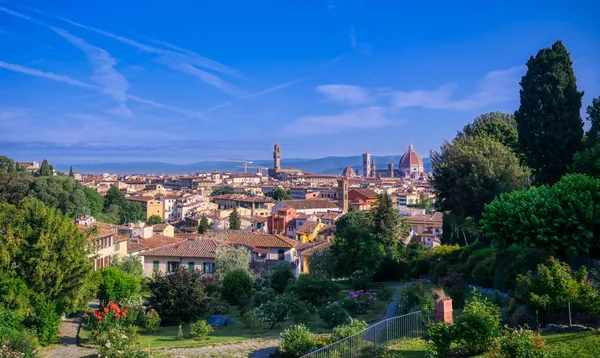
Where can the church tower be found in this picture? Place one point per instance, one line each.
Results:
(343, 194)
(373, 168)
(277, 157)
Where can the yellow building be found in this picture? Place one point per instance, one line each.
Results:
(151, 205)
(305, 251)
(309, 231)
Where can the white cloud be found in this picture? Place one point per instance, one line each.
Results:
(360, 118)
(357, 45)
(105, 75)
(496, 87)
(352, 95)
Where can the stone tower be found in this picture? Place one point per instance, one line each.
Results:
(343, 194)
(373, 168)
(366, 165)
(276, 157)
(391, 170)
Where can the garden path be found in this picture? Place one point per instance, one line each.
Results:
(391, 307)
(68, 347)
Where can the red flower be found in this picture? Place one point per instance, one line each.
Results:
(84, 314)
(118, 315)
(105, 309)
(125, 312)
(96, 332)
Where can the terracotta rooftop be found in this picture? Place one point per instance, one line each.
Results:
(367, 193)
(311, 204)
(308, 248)
(202, 248)
(141, 244)
(308, 227)
(159, 227)
(244, 198)
(261, 240)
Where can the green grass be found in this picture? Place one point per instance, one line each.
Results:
(567, 345)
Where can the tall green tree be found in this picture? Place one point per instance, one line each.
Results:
(154, 219)
(229, 259)
(548, 119)
(593, 116)
(45, 169)
(14, 187)
(387, 223)
(132, 212)
(203, 226)
(71, 172)
(279, 194)
(499, 126)
(235, 221)
(118, 286)
(131, 265)
(61, 192)
(114, 197)
(95, 201)
(587, 161)
(45, 249)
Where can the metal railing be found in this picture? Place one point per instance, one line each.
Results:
(408, 326)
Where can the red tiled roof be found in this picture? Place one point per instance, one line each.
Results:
(135, 245)
(261, 240)
(308, 227)
(308, 248)
(311, 204)
(202, 248)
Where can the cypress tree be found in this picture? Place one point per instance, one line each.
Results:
(235, 222)
(45, 169)
(203, 226)
(548, 119)
(71, 172)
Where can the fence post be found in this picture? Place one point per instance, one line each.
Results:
(570, 314)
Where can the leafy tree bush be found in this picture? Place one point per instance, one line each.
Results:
(62, 192)
(281, 276)
(151, 321)
(334, 315)
(45, 320)
(519, 342)
(200, 329)
(154, 219)
(498, 126)
(14, 187)
(203, 225)
(359, 280)
(359, 302)
(322, 262)
(95, 201)
(237, 286)
(229, 259)
(179, 296)
(441, 336)
(587, 162)
(279, 194)
(346, 330)
(274, 312)
(130, 265)
(118, 286)
(250, 320)
(479, 325)
(297, 341)
(108, 318)
(119, 342)
(315, 289)
(235, 221)
(15, 337)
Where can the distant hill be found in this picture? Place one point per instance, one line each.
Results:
(328, 165)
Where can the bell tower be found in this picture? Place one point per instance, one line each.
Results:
(343, 194)
(276, 157)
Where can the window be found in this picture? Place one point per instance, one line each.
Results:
(208, 267)
(155, 265)
(190, 266)
(281, 255)
(118, 246)
(172, 266)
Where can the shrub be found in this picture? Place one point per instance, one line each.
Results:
(237, 286)
(392, 270)
(218, 307)
(200, 329)
(106, 319)
(455, 288)
(274, 312)
(519, 343)
(134, 314)
(385, 294)
(415, 297)
(45, 320)
(301, 311)
(211, 285)
(118, 286)
(346, 330)
(297, 340)
(334, 315)
(281, 276)
(316, 289)
(250, 320)
(18, 343)
(118, 342)
(151, 321)
(440, 339)
(359, 280)
(266, 294)
(373, 352)
(479, 324)
(359, 302)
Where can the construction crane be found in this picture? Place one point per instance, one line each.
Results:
(246, 162)
(259, 169)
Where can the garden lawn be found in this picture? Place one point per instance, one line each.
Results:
(568, 345)
(375, 313)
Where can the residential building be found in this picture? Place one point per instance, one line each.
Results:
(305, 251)
(308, 207)
(258, 206)
(105, 244)
(309, 231)
(163, 229)
(278, 221)
(151, 205)
(279, 247)
(362, 199)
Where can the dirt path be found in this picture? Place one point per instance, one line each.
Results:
(68, 347)
(252, 348)
(391, 307)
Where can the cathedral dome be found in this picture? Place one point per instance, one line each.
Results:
(410, 159)
(348, 172)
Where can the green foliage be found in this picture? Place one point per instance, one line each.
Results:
(280, 276)
(297, 341)
(387, 223)
(322, 262)
(315, 289)
(130, 265)
(151, 321)
(274, 312)
(355, 247)
(498, 126)
(45, 320)
(132, 212)
(119, 342)
(416, 297)
(154, 219)
(178, 296)
(587, 161)
(235, 221)
(359, 302)
(279, 194)
(229, 259)
(555, 285)
(334, 315)
(519, 343)
(346, 330)
(593, 116)
(222, 191)
(61, 192)
(548, 119)
(114, 197)
(44, 249)
(564, 217)
(471, 171)
(14, 187)
(203, 226)
(45, 169)
(359, 280)
(479, 325)
(71, 174)
(200, 329)
(441, 335)
(250, 320)
(118, 286)
(237, 286)
(108, 318)
(95, 201)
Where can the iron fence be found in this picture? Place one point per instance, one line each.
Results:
(408, 326)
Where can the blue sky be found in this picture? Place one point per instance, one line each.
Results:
(185, 81)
